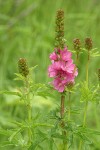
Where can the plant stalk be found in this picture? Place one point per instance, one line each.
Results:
(29, 109)
(69, 112)
(77, 58)
(86, 103)
(62, 122)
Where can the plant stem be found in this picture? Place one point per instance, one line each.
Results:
(77, 58)
(62, 106)
(85, 113)
(69, 112)
(29, 111)
(29, 120)
(86, 102)
(62, 122)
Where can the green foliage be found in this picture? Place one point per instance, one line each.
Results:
(89, 93)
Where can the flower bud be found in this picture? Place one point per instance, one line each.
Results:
(77, 45)
(88, 43)
(23, 68)
(60, 29)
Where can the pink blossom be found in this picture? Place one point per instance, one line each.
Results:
(53, 56)
(65, 54)
(62, 69)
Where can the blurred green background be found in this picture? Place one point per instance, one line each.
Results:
(27, 29)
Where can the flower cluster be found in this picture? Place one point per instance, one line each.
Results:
(62, 69)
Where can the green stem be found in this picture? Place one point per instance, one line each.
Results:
(85, 113)
(69, 112)
(29, 120)
(29, 109)
(77, 58)
(62, 122)
(84, 122)
(86, 103)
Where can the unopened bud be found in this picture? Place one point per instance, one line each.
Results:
(77, 45)
(88, 43)
(23, 68)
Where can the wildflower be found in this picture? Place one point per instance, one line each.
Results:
(23, 68)
(62, 69)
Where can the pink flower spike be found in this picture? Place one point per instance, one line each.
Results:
(62, 69)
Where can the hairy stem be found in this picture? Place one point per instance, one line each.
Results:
(62, 122)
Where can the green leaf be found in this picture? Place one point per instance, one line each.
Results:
(11, 93)
(32, 68)
(14, 134)
(89, 92)
(84, 138)
(19, 77)
(6, 143)
(58, 136)
(36, 144)
(5, 132)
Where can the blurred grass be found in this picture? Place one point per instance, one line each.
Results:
(27, 29)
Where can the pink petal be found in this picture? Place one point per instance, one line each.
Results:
(53, 56)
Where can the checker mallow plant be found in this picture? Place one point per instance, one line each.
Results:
(63, 72)
(63, 128)
(62, 69)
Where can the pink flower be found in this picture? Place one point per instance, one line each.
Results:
(53, 56)
(62, 69)
(65, 54)
(59, 84)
